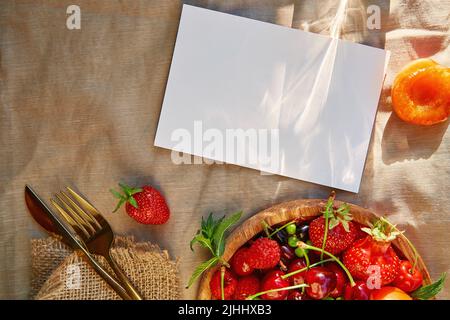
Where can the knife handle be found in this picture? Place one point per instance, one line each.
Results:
(116, 286)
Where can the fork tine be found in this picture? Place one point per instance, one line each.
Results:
(75, 212)
(83, 214)
(89, 208)
(70, 220)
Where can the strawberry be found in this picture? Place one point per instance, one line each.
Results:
(359, 232)
(374, 250)
(341, 230)
(145, 205)
(229, 286)
(264, 253)
(246, 286)
(239, 263)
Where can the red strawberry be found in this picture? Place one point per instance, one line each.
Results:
(359, 232)
(338, 239)
(374, 251)
(145, 205)
(246, 286)
(230, 284)
(239, 263)
(264, 253)
(341, 231)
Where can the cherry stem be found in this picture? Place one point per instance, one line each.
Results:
(276, 290)
(350, 278)
(307, 259)
(416, 254)
(304, 269)
(325, 236)
(222, 282)
(328, 208)
(281, 228)
(224, 263)
(266, 228)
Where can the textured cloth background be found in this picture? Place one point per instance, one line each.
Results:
(53, 267)
(81, 107)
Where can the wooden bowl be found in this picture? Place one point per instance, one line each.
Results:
(302, 210)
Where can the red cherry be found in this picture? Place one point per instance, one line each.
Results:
(239, 263)
(408, 279)
(287, 254)
(297, 295)
(359, 291)
(321, 282)
(273, 280)
(295, 265)
(341, 279)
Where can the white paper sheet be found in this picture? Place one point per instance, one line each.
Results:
(309, 100)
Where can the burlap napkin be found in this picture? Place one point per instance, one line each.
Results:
(59, 273)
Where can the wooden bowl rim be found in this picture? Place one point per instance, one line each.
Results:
(304, 209)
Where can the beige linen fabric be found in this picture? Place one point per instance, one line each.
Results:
(61, 274)
(81, 107)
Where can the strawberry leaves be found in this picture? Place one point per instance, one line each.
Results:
(127, 196)
(334, 217)
(212, 236)
(383, 231)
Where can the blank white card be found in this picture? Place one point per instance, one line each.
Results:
(271, 98)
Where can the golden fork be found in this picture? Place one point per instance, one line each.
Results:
(93, 229)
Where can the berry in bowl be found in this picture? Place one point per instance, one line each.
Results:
(311, 250)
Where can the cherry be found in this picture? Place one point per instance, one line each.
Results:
(273, 280)
(298, 278)
(239, 263)
(287, 254)
(358, 292)
(341, 279)
(297, 295)
(408, 279)
(321, 282)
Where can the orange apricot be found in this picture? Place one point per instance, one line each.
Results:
(421, 93)
(389, 293)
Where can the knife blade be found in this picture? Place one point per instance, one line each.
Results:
(50, 221)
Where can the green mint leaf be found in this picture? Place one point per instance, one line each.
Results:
(204, 242)
(133, 202)
(431, 290)
(202, 268)
(219, 232)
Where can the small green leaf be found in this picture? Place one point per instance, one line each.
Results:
(202, 268)
(219, 232)
(135, 190)
(116, 194)
(333, 223)
(133, 202)
(119, 205)
(204, 242)
(431, 290)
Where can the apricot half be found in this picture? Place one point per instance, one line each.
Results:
(389, 293)
(421, 93)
